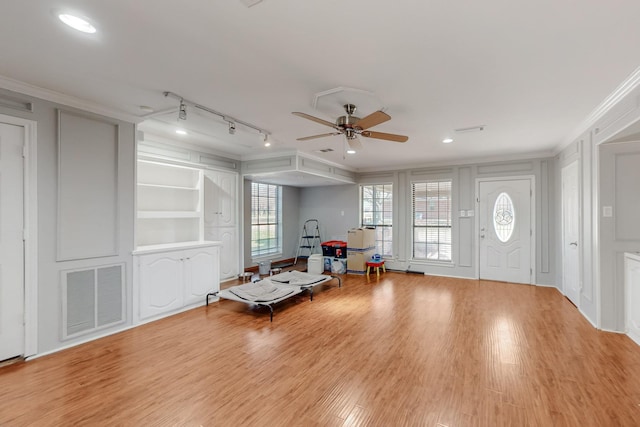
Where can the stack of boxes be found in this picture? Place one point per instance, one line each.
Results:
(361, 246)
(335, 256)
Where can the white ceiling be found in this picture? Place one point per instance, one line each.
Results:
(530, 71)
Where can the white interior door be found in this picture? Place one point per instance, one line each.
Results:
(571, 233)
(505, 230)
(12, 300)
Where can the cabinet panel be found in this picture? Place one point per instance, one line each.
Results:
(227, 186)
(161, 283)
(229, 252)
(201, 273)
(172, 279)
(220, 199)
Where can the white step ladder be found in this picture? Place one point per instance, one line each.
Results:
(309, 240)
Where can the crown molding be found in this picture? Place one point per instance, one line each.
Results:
(64, 99)
(630, 84)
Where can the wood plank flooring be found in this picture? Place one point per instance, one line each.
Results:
(404, 350)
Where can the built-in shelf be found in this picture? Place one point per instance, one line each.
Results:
(169, 203)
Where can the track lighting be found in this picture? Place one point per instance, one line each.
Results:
(182, 115)
(267, 143)
(182, 112)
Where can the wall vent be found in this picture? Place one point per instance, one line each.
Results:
(92, 299)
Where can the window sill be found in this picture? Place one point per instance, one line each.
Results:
(267, 257)
(448, 264)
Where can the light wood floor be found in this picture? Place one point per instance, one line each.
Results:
(404, 350)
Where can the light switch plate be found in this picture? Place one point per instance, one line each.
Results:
(471, 212)
(463, 213)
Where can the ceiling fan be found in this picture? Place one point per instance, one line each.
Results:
(351, 126)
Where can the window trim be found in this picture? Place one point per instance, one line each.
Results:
(412, 226)
(277, 251)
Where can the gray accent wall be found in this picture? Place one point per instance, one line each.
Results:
(106, 245)
(328, 204)
(619, 172)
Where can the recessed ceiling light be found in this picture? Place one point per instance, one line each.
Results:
(351, 151)
(267, 144)
(181, 132)
(447, 140)
(77, 23)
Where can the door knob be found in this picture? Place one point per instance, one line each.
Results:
(573, 244)
(482, 236)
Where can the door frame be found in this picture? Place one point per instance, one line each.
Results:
(532, 183)
(578, 165)
(30, 189)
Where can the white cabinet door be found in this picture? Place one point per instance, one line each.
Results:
(229, 252)
(161, 283)
(220, 199)
(227, 199)
(201, 273)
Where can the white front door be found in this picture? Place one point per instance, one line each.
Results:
(571, 233)
(505, 230)
(12, 302)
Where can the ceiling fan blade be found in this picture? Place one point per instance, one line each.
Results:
(354, 143)
(306, 138)
(372, 119)
(314, 119)
(386, 136)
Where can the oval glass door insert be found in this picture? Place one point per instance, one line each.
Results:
(504, 217)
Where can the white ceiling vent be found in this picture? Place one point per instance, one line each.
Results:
(478, 128)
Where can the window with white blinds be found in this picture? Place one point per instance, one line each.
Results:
(432, 220)
(376, 210)
(266, 219)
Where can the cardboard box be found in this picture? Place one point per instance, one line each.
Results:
(356, 261)
(361, 238)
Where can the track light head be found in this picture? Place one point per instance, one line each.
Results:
(232, 128)
(182, 112)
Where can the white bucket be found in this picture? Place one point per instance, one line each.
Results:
(264, 267)
(315, 264)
